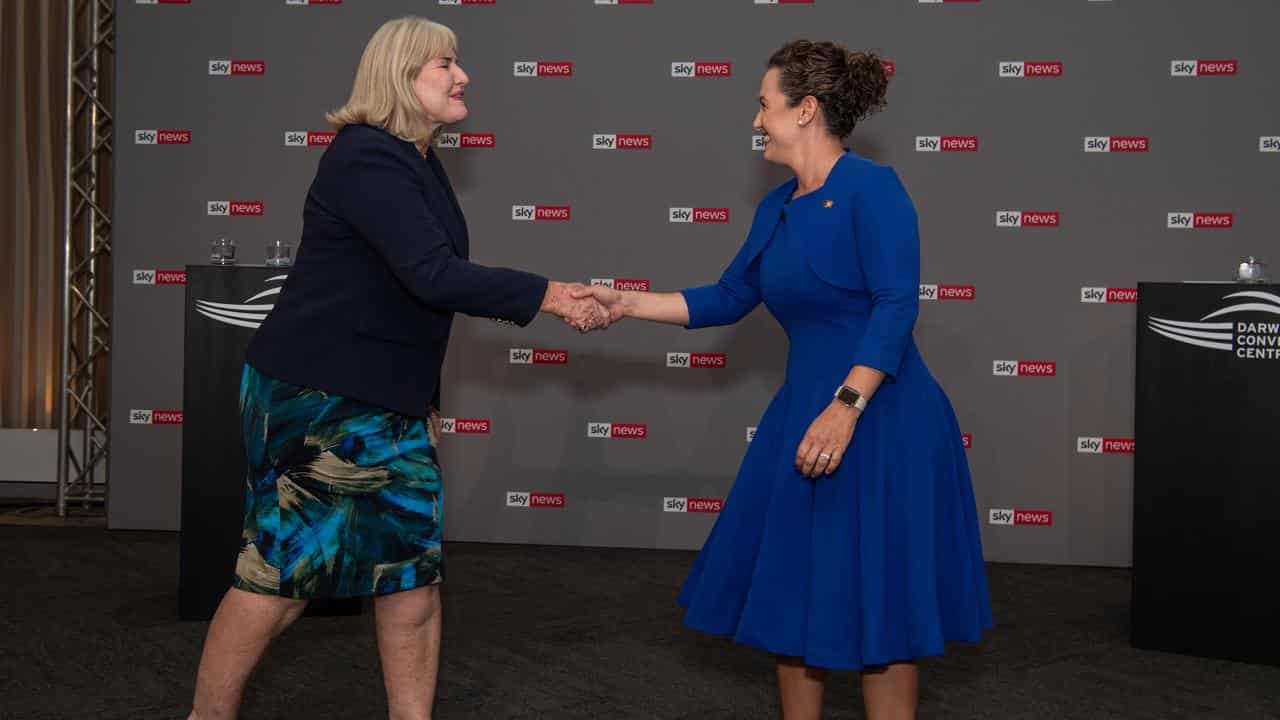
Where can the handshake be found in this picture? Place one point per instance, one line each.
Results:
(584, 307)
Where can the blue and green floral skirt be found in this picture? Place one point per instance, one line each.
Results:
(344, 497)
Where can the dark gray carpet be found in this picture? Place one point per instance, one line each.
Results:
(88, 629)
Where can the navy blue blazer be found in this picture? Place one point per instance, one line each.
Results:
(381, 269)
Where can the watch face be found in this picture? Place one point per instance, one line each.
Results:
(848, 396)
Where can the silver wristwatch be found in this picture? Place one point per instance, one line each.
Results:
(851, 398)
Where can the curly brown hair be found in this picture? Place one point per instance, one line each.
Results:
(848, 86)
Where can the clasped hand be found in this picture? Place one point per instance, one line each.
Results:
(582, 307)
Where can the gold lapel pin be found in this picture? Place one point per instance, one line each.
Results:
(827, 203)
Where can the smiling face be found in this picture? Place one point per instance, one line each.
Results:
(440, 86)
(779, 122)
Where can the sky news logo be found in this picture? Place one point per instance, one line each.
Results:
(540, 212)
(715, 361)
(946, 143)
(966, 439)
(465, 426)
(1269, 144)
(692, 505)
(625, 431)
(1199, 220)
(1009, 516)
(1202, 68)
(161, 137)
(525, 500)
(698, 215)
(236, 208)
(543, 68)
(948, 292)
(237, 67)
(1024, 368)
(700, 68)
(155, 417)
(625, 284)
(890, 68)
(1027, 218)
(1116, 143)
(535, 356)
(1108, 295)
(1029, 69)
(454, 141)
(1104, 445)
(751, 433)
(308, 138)
(159, 277)
(621, 141)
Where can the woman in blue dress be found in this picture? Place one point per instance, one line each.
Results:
(850, 537)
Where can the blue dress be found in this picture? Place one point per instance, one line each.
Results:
(881, 561)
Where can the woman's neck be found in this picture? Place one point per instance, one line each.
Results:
(815, 165)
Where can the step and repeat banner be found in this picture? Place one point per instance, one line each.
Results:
(1057, 153)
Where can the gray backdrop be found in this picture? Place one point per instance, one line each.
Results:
(1206, 152)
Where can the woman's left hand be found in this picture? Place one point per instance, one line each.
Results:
(825, 442)
(433, 427)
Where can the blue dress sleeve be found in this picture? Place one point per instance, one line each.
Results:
(729, 300)
(888, 247)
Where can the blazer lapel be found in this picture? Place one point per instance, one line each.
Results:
(767, 220)
(454, 221)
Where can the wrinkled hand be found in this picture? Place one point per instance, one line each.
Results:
(611, 300)
(584, 314)
(826, 440)
(433, 426)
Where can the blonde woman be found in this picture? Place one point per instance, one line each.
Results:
(341, 384)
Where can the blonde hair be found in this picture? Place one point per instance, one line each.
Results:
(382, 94)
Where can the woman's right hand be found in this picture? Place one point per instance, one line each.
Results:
(612, 300)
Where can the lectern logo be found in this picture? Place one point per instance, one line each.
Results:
(248, 313)
(1247, 340)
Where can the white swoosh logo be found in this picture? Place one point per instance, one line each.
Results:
(245, 314)
(1215, 335)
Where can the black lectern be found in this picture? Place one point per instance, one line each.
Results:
(1207, 470)
(224, 306)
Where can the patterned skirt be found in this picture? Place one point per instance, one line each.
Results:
(343, 500)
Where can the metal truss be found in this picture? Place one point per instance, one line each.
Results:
(84, 437)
